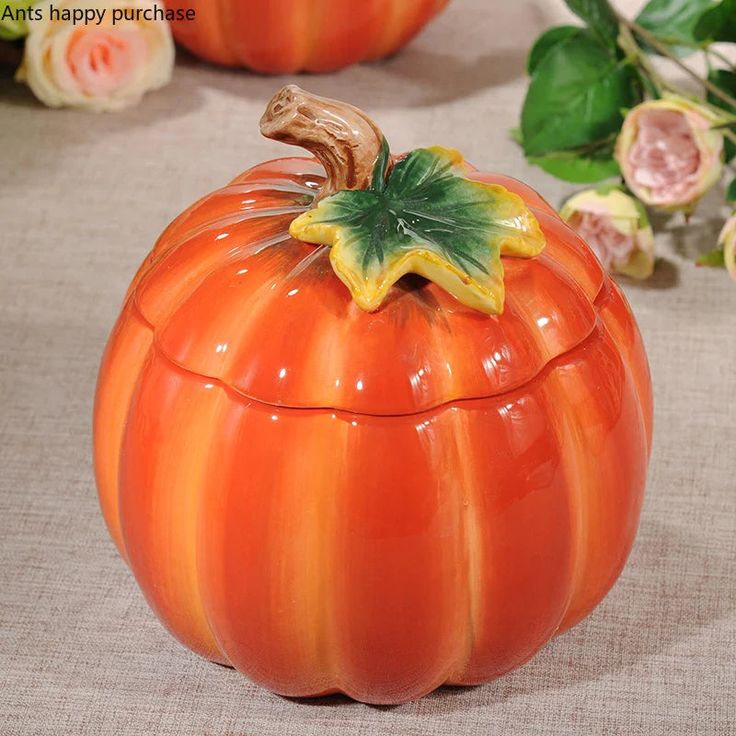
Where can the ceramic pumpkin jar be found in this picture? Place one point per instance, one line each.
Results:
(282, 36)
(335, 474)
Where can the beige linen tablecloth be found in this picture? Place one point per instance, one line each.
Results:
(84, 197)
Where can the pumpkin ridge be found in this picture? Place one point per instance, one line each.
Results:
(302, 263)
(224, 221)
(193, 629)
(175, 236)
(346, 412)
(185, 290)
(594, 521)
(442, 390)
(475, 554)
(194, 217)
(565, 264)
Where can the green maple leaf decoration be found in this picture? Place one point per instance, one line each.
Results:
(425, 217)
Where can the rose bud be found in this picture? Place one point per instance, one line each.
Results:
(97, 67)
(615, 225)
(727, 240)
(668, 152)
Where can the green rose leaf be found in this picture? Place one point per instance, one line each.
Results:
(731, 192)
(12, 19)
(718, 24)
(547, 41)
(428, 218)
(674, 22)
(578, 167)
(725, 80)
(599, 16)
(577, 96)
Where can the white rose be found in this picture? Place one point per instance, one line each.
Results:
(97, 67)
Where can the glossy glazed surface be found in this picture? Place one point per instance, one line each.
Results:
(422, 215)
(227, 272)
(332, 500)
(282, 36)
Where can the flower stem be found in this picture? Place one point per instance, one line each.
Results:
(631, 47)
(661, 48)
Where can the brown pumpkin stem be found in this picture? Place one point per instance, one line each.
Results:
(344, 139)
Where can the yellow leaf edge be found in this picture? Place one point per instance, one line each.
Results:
(370, 293)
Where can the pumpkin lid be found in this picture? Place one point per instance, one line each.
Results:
(365, 282)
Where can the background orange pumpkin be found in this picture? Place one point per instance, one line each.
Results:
(373, 503)
(282, 36)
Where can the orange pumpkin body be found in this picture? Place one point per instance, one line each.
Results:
(283, 36)
(372, 503)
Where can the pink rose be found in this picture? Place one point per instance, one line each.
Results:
(101, 66)
(727, 239)
(616, 227)
(668, 152)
